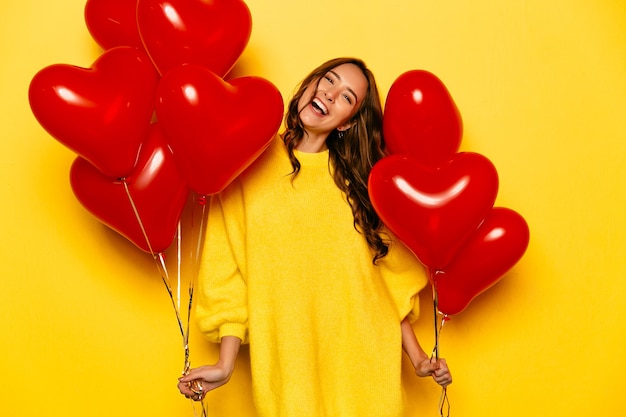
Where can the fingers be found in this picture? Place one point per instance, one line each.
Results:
(198, 391)
(441, 373)
(442, 378)
(430, 366)
(190, 375)
(193, 389)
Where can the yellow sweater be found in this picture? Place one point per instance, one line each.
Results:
(284, 269)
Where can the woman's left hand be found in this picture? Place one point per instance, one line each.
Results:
(437, 368)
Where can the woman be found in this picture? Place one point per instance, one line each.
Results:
(297, 263)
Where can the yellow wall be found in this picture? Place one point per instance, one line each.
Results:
(88, 328)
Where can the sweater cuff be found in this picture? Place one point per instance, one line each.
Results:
(239, 330)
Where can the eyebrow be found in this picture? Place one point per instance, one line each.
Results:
(348, 88)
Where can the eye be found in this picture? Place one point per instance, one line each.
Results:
(329, 79)
(348, 98)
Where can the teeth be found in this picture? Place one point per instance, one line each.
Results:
(318, 103)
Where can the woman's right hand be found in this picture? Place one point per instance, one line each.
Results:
(198, 381)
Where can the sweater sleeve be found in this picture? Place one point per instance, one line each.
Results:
(405, 277)
(221, 308)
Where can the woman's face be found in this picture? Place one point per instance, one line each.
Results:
(331, 103)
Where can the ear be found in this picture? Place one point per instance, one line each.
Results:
(346, 126)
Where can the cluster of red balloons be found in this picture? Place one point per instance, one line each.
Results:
(154, 118)
(438, 201)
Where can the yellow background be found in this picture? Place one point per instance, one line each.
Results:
(88, 328)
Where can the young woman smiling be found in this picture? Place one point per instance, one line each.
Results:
(297, 263)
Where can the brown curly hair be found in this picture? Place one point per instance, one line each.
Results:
(352, 155)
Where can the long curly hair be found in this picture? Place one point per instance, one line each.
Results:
(353, 155)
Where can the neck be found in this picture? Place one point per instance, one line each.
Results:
(312, 143)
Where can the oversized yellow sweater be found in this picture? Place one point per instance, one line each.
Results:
(284, 269)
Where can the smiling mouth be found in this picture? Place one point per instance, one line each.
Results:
(319, 106)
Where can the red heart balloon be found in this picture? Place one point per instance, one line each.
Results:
(212, 33)
(433, 210)
(491, 251)
(113, 23)
(156, 188)
(216, 128)
(421, 119)
(102, 113)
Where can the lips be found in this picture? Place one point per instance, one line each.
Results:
(319, 106)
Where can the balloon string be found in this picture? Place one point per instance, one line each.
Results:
(202, 202)
(187, 364)
(444, 402)
(137, 216)
(179, 257)
(204, 408)
(161, 267)
(433, 280)
(165, 278)
(195, 258)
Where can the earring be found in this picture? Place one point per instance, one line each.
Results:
(340, 134)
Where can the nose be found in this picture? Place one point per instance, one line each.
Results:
(329, 95)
